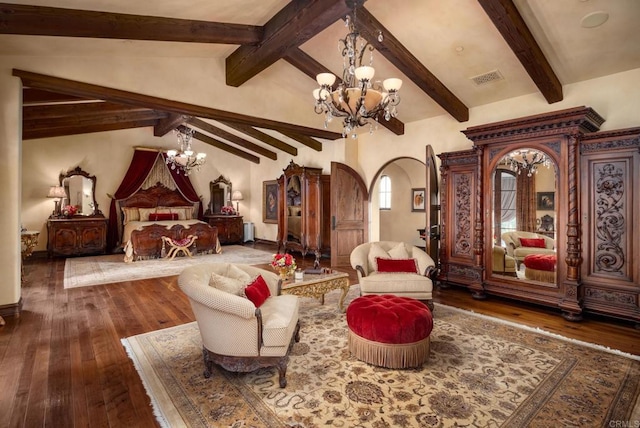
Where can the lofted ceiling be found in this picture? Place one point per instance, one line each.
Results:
(440, 49)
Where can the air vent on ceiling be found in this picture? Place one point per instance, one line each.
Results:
(485, 78)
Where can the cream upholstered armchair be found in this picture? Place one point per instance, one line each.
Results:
(520, 244)
(236, 334)
(405, 270)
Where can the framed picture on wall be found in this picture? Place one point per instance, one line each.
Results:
(417, 199)
(546, 200)
(270, 201)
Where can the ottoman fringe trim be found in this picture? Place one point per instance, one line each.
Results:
(390, 355)
(539, 275)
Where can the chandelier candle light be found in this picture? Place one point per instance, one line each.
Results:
(185, 159)
(357, 98)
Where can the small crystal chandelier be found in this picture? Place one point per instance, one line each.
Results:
(357, 99)
(526, 160)
(185, 159)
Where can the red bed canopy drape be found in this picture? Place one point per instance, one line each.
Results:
(141, 165)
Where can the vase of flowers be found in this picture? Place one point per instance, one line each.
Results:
(284, 264)
(228, 210)
(69, 211)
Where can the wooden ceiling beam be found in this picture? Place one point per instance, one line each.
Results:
(62, 127)
(391, 48)
(172, 121)
(37, 96)
(509, 22)
(92, 119)
(309, 66)
(292, 26)
(225, 147)
(212, 129)
(307, 141)
(52, 21)
(87, 90)
(90, 109)
(265, 138)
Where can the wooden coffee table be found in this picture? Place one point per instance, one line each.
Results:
(316, 285)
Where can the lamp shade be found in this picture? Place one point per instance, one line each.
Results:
(56, 192)
(237, 196)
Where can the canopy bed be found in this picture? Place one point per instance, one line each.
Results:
(587, 260)
(155, 202)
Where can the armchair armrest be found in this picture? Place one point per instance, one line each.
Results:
(361, 271)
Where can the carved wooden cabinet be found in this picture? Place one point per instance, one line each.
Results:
(459, 230)
(77, 236)
(230, 228)
(304, 210)
(595, 174)
(610, 182)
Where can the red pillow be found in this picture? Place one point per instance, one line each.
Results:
(163, 216)
(257, 291)
(533, 242)
(397, 265)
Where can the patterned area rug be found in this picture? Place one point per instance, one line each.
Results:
(85, 271)
(481, 373)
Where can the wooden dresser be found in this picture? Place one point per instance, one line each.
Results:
(230, 227)
(77, 236)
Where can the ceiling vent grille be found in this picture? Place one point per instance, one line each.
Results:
(485, 78)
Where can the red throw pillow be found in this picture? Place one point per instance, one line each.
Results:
(397, 265)
(533, 242)
(257, 291)
(163, 216)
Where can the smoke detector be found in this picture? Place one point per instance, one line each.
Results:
(485, 78)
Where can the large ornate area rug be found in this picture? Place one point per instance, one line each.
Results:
(481, 373)
(85, 271)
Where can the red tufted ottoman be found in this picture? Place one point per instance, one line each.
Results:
(540, 267)
(389, 331)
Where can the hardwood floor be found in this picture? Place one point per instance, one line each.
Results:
(62, 363)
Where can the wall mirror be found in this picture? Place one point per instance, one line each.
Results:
(294, 209)
(80, 188)
(523, 213)
(220, 194)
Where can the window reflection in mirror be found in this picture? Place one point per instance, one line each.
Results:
(523, 202)
(294, 209)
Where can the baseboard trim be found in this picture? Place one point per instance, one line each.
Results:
(12, 310)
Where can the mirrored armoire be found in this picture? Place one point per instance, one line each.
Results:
(304, 210)
(541, 210)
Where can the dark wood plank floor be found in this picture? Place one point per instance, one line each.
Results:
(62, 363)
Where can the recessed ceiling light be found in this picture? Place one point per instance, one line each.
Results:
(459, 48)
(594, 19)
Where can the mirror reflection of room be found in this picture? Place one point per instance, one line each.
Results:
(79, 194)
(294, 209)
(524, 185)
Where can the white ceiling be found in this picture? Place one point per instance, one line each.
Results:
(454, 39)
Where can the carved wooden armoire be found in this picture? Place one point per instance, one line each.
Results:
(595, 175)
(304, 210)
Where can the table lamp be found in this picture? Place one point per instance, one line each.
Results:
(236, 197)
(59, 193)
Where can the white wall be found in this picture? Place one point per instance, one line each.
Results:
(107, 155)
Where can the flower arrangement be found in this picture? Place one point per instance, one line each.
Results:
(285, 264)
(69, 210)
(227, 210)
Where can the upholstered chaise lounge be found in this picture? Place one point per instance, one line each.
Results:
(521, 244)
(406, 270)
(236, 334)
(502, 263)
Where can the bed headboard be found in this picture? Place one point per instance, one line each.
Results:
(156, 196)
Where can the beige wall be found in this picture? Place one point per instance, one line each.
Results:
(107, 155)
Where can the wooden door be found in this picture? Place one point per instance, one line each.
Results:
(349, 213)
(432, 234)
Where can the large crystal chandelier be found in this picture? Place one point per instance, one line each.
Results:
(526, 160)
(357, 98)
(185, 159)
